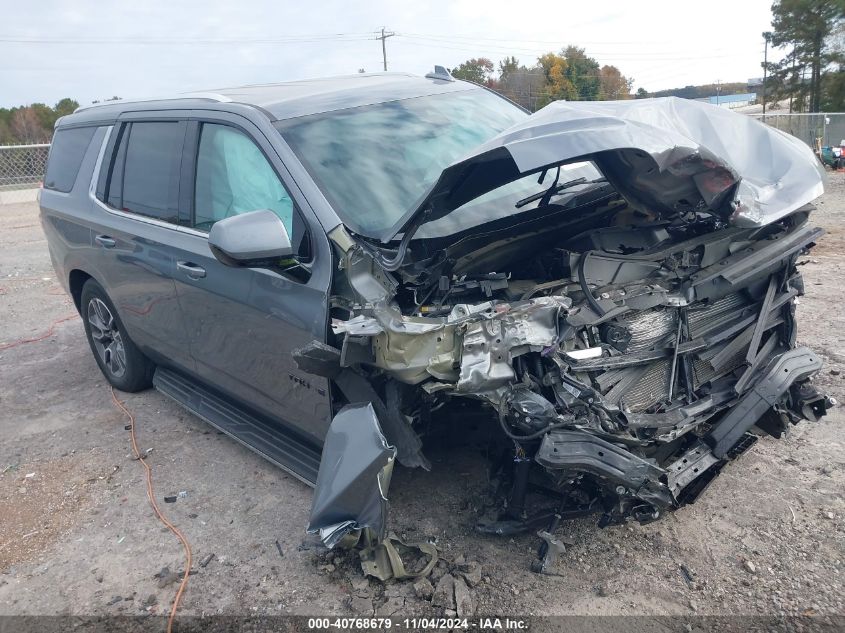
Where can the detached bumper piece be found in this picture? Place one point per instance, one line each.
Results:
(350, 504)
(351, 492)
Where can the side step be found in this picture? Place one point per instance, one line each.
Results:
(270, 440)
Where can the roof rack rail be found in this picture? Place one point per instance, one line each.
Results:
(209, 96)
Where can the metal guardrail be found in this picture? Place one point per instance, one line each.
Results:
(22, 169)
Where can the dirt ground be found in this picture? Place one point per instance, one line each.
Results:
(77, 535)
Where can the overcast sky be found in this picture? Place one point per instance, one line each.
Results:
(89, 49)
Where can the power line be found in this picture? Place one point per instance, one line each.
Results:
(348, 37)
(456, 42)
(502, 38)
(504, 48)
(504, 42)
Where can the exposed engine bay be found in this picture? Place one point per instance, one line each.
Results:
(616, 353)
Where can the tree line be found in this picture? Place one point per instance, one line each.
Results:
(569, 74)
(33, 123)
(572, 75)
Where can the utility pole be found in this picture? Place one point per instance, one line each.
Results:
(383, 37)
(766, 37)
(718, 90)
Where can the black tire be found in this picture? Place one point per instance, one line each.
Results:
(122, 363)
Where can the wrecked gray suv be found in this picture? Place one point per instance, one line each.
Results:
(340, 272)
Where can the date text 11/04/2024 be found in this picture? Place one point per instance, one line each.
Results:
(419, 623)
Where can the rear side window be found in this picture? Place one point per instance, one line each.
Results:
(145, 170)
(66, 153)
(151, 171)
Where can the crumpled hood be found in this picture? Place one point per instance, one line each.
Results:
(659, 153)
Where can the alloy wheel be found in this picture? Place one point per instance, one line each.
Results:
(106, 337)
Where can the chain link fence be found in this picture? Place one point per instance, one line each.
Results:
(829, 127)
(21, 171)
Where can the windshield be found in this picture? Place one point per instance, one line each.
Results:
(375, 163)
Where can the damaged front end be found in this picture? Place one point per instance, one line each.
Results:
(617, 340)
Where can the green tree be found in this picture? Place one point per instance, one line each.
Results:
(478, 70)
(65, 106)
(508, 66)
(642, 93)
(812, 30)
(46, 115)
(583, 72)
(5, 132)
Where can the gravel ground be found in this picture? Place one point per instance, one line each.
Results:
(77, 535)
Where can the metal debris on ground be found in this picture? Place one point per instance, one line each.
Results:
(384, 561)
(550, 549)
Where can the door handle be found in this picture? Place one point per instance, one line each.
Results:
(105, 241)
(192, 270)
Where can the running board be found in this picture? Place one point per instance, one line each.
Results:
(270, 440)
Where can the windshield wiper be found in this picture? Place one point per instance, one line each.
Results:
(555, 189)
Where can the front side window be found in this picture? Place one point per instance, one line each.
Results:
(233, 177)
(151, 165)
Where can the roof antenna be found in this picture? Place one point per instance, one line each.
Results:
(440, 72)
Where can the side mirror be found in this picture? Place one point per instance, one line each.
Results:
(254, 239)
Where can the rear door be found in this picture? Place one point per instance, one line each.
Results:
(139, 217)
(243, 323)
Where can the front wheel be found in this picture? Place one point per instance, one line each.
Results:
(122, 363)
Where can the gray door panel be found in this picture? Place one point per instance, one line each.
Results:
(137, 272)
(243, 323)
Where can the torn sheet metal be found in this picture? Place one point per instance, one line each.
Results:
(355, 469)
(491, 343)
(659, 153)
(384, 560)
